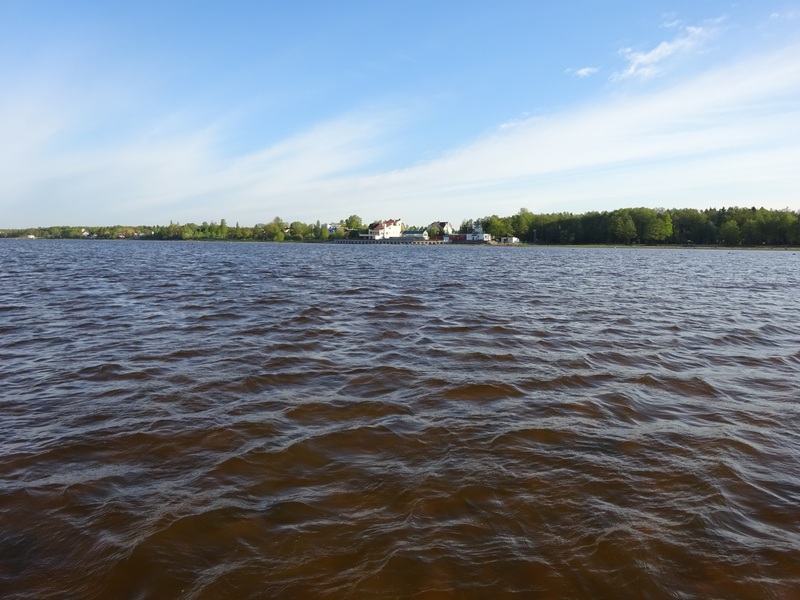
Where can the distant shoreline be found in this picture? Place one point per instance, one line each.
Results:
(400, 242)
(735, 227)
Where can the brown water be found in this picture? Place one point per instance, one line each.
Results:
(320, 421)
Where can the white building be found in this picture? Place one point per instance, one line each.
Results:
(443, 227)
(416, 235)
(477, 235)
(384, 230)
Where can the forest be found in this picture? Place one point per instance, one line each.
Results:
(626, 226)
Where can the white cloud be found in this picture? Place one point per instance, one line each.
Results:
(644, 65)
(52, 175)
(582, 72)
(789, 15)
(586, 71)
(730, 136)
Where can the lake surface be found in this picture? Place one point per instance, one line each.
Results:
(201, 420)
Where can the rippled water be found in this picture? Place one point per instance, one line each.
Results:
(184, 420)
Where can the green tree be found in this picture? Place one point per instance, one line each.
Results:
(751, 233)
(299, 230)
(622, 227)
(650, 225)
(786, 226)
(659, 229)
(729, 233)
(353, 222)
(70, 233)
(354, 234)
(594, 228)
(794, 231)
(189, 231)
(689, 226)
(497, 226)
(521, 223)
(274, 231)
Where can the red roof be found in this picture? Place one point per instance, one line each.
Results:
(385, 224)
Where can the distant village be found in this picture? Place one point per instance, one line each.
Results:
(350, 231)
(392, 231)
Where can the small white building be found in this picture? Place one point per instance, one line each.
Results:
(415, 235)
(478, 235)
(509, 240)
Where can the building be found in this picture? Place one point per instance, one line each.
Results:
(384, 230)
(476, 237)
(443, 227)
(416, 235)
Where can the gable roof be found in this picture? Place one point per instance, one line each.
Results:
(387, 223)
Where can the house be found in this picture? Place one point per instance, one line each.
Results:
(384, 230)
(415, 235)
(478, 235)
(443, 227)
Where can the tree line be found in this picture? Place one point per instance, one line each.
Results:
(686, 226)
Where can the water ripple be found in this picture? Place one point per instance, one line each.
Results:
(263, 420)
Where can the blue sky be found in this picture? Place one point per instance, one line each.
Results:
(150, 112)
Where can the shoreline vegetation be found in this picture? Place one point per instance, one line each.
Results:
(731, 227)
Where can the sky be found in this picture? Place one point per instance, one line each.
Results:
(147, 112)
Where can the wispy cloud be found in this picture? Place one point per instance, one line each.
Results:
(646, 64)
(586, 72)
(727, 136)
(731, 135)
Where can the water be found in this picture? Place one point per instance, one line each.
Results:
(182, 420)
